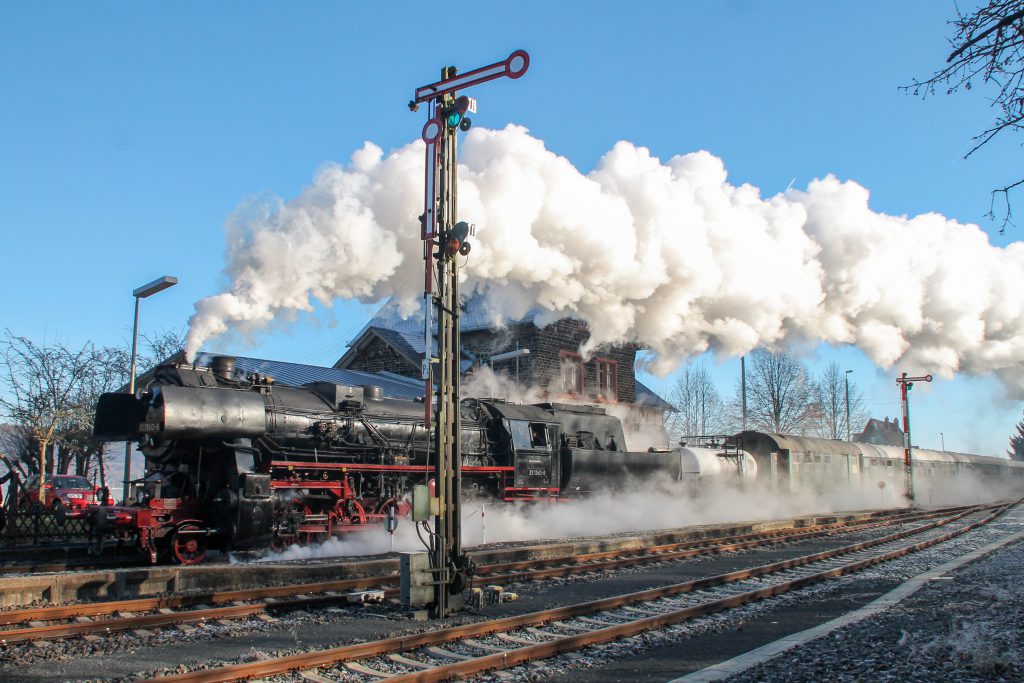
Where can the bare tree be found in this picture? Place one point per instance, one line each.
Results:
(780, 394)
(44, 385)
(830, 399)
(18, 444)
(51, 394)
(161, 346)
(699, 405)
(987, 47)
(108, 371)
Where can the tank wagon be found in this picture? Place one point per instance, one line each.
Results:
(829, 466)
(239, 462)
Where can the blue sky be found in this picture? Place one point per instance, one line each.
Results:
(130, 131)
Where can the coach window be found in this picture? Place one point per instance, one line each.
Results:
(572, 372)
(607, 380)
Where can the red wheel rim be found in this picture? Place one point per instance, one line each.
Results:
(189, 548)
(350, 512)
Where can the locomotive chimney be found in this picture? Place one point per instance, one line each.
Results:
(223, 367)
(372, 393)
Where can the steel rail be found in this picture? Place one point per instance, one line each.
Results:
(348, 653)
(613, 559)
(127, 623)
(93, 609)
(131, 561)
(489, 572)
(545, 650)
(60, 631)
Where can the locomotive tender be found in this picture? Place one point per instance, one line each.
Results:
(242, 462)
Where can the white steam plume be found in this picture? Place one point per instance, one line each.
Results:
(666, 254)
(646, 508)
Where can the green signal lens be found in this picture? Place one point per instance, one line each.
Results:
(454, 119)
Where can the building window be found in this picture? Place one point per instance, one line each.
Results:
(572, 372)
(607, 380)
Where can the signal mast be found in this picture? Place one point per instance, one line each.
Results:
(906, 384)
(444, 240)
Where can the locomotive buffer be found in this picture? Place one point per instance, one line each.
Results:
(444, 241)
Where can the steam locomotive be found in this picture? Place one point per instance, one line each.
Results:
(238, 462)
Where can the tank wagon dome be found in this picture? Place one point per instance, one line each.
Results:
(713, 462)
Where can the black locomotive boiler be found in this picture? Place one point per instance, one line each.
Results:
(237, 462)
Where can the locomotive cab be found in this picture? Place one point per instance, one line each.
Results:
(535, 455)
(531, 436)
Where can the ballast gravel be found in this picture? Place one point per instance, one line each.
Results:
(967, 626)
(570, 666)
(968, 629)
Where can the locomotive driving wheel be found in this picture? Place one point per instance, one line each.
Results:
(188, 544)
(350, 512)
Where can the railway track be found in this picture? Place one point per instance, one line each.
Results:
(443, 654)
(101, 618)
(73, 564)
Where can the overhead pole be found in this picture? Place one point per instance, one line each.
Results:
(444, 240)
(743, 388)
(906, 384)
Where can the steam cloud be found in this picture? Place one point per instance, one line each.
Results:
(650, 507)
(666, 254)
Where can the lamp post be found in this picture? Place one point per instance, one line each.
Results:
(743, 389)
(142, 292)
(942, 438)
(846, 378)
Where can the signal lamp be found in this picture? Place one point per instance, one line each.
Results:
(457, 236)
(455, 114)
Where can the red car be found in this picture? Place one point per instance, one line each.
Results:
(71, 492)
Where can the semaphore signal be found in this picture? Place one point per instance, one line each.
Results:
(445, 238)
(906, 384)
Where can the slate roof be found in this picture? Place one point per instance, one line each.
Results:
(405, 335)
(476, 316)
(646, 397)
(881, 432)
(297, 374)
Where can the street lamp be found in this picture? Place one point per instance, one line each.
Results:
(942, 438)
(509, 355)
(846, 378)
(142, 292)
